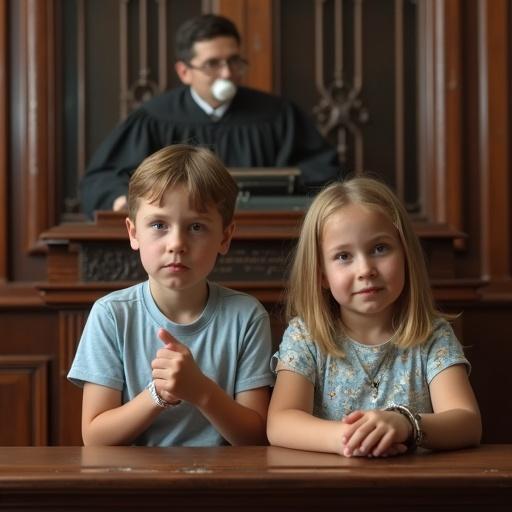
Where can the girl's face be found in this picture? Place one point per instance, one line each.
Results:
(363, 263)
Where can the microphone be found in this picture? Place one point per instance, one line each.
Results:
(223, 89)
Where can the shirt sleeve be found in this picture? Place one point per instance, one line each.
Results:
(252, 370)
(297, 352)
(98, 357)
(444, 350)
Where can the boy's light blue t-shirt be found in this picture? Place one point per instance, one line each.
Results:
(230, 342)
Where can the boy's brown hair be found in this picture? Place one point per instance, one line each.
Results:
(202, 173)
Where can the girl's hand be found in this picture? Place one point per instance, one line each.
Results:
(375, 433)
(175, 372)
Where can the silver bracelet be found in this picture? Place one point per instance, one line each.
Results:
(418, 436)
(156, 397)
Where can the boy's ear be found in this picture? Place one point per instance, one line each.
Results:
(130, 226)
(226, 238)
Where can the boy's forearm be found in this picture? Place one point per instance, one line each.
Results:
(121, 425)
(237, 424)
(292, 428)
(448, 430)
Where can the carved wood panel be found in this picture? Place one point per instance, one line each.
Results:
(24, 389)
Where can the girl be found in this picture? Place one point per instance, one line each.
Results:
(365, 344)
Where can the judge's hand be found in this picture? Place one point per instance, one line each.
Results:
(119, 204)
(175, 372)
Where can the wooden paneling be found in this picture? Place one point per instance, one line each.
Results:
(494, 140)
(36, 33)
(487, 341)
(440, 116)
(3, 140)
(24, 400)
(28, 355)
(254, 21)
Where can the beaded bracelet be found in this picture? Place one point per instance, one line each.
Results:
(418, 436)
(156, 397)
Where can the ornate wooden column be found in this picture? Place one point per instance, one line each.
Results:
(493, 27)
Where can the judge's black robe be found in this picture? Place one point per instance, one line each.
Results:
(257, 130)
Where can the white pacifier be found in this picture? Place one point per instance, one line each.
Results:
(223, 89)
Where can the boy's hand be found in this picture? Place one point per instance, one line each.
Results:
(375, 433)
(176, 374)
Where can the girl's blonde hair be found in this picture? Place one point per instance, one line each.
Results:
(414, 313)
(205, 177)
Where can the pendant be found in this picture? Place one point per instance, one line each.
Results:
(374, 385)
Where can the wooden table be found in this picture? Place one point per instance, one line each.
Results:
(251, 478)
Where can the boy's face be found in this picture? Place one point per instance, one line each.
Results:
(178, 246)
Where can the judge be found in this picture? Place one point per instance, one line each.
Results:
(244, 127)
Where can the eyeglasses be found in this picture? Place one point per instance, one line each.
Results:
(213, 67)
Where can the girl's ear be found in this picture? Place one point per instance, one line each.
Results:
(132, 233)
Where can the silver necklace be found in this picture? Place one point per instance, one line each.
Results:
(373, 379)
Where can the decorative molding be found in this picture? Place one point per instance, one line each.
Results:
(247, 260)
(20, 295)
(110, 262)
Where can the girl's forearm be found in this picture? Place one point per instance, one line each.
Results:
(448, 430)
(292, 428)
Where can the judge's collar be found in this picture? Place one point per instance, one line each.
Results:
(207, 108)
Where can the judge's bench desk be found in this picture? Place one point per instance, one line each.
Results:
(252, 479)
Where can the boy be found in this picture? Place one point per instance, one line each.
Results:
(176, 360)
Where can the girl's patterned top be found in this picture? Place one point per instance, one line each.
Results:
(342, 385)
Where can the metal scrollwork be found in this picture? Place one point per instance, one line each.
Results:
(341, 109)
